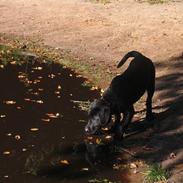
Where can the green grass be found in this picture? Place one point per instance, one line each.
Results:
(101, 181)
(155, 1)
(9, 54)
(101, 1)
(155, 173)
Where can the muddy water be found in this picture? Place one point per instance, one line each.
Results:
(41, 127)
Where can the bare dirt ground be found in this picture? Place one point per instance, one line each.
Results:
(100, 34)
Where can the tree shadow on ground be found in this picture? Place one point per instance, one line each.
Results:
(160, 141)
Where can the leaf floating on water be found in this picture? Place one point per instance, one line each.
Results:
(2, 116)
(45, 120)
(37, 68)
(59, 96)
(40, 89)
(51, 76)
(108, 137)
(6, 152)
(10, 102)
(2, 66)
(70, 75)
(40, 77)
(17, 137)
(27, 99)
(85, 169)
(51, 115)
(18, 107)
(24, 149)
(57, 92)
(98, 141)
(13, 62)
(9, 134)
(6, 176)
(39, 101)
(89, 138)
(34, 129)
(59, 87)
(64, 162)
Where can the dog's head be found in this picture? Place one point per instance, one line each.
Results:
(99, 116)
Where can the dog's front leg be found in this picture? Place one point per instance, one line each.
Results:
(127, 117)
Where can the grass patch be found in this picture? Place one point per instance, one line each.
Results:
(155, 173)
(10, 55)
(101, 181)
(101, 1)
(45, 53)
(155, 1)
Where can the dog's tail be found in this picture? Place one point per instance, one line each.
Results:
(128, 55)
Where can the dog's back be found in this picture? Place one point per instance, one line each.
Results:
(137, 78)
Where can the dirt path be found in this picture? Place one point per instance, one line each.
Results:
(101, 34)
(88, 29)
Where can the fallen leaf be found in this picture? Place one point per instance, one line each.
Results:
(13, 62)
(6, 152)
(133, 165)
(94, 88)
(57, 92)
(2, 116)
(64, 162)
(24, 149)
(108, 137)
(10, 102)
(85, 169)
(9, 134)
(45, 120)
(70, 75)
(98, 141)
(51, 76)
(2, 66)
(51, 115)
(17, 137)
(6, 176)
(39, 101)
(59, 87)
(34, 129)
(89, 138)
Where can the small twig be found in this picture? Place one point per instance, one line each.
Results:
(127, 151)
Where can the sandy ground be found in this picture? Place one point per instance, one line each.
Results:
(101, 34)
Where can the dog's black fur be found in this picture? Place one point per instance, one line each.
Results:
(122, 93)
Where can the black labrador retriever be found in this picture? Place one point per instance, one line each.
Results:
(123, 92)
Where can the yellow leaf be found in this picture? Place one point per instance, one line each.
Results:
(64, 162)
(6, 152)
(10, 102)
(45, 120)
(98, 141)
(34, 129)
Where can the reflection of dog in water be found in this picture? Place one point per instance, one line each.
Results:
(122, 93)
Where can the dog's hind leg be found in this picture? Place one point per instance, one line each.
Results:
(149, 114)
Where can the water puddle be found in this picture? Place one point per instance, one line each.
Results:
(42, 128)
